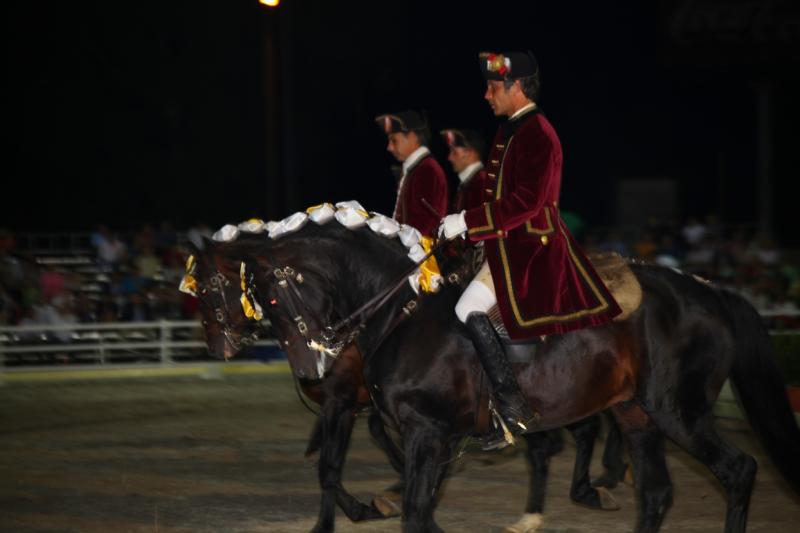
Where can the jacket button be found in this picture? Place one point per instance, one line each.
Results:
(545, 240)
(500, 233)
(491, 175)
(499, 146)
(495, 162)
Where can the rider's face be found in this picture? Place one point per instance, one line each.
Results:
(459, 157)
(402, 145)
(500, 98)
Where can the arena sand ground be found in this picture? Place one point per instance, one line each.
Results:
(185, 454)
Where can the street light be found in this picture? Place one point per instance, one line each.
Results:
(270, 3)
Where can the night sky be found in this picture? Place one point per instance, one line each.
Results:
(218, 111)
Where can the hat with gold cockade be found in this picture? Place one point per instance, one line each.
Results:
(508, 65)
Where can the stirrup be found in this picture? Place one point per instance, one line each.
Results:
(508, 437)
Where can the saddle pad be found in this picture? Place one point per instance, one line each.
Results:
(617, 276)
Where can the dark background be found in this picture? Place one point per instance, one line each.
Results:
(220, 110)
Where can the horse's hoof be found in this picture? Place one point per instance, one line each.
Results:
(529, 523)
(607, 500)
(388, 503)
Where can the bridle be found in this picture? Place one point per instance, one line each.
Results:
(326, 341)
(218, 283)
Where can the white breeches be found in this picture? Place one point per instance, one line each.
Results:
(479, 296)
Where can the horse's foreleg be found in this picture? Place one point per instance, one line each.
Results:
(651, 477)
(585, 434)
(427, 456)
(389, 501)
(315, 440)
(337, 421)
(540, 447)
(378, 432)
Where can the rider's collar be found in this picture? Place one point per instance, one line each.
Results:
(415, 156)
(465, 175)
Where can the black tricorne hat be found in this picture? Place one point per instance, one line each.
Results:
(402, 122)
(463, 139)
(508, 65)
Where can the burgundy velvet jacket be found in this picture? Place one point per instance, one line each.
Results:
(471, 193)
(425, 179)
(544, 283)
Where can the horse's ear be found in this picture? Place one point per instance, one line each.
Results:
(192, 248)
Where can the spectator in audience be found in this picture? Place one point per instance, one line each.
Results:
(764, 251)
(148, 264)
(165, 238)
(52, 283)
(694, 232)
(111, 251)
(136, 308)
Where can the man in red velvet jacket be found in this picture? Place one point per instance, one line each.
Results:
(535, 272)
(466, 151)
(422, 178)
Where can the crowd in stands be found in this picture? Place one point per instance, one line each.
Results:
(735, 257)
(131, 278)
(135, 277)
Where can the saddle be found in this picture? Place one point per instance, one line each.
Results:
(614, 272)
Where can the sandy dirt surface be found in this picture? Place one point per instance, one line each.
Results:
(194, 456)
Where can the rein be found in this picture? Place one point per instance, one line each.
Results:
(333, 338)
(373, 305)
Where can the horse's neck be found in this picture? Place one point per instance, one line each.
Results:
(378, 269)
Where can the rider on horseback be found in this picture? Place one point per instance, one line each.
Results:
(422, 179)
(535, 272)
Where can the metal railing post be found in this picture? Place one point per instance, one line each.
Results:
(166, 330)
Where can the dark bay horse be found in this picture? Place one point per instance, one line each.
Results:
(660, 371)
(343, 393)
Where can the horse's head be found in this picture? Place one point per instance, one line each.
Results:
(230, 320)
(240, 283)
(297, 296)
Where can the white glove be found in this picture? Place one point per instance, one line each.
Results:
(452, 226)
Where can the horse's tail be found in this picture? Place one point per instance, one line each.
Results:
(762, 390)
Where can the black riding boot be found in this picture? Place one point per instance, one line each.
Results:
(511, 404)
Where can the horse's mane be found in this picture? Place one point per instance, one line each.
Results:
(304, 225)
(339, 234)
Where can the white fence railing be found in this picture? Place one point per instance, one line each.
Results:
(161, 341)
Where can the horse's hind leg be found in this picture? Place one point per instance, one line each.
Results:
(582, 492)
(426, 461)
(653, 485)
(734, 469)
